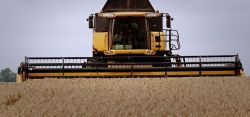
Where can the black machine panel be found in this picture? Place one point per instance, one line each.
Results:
(155, 24)
(128, 5)
(101, 24)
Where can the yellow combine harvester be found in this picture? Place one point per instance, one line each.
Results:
(129, 40)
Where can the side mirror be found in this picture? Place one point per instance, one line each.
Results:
(169, 19)
(91, 22)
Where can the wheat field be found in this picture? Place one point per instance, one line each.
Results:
(158, 97)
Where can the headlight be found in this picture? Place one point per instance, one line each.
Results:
(152, 15)
(107, 15)
(110, 52)
(150, 52)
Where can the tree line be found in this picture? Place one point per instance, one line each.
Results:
(6, 75)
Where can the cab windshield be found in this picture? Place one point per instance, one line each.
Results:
(130, 33)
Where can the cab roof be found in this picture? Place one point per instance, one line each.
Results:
(127, 6)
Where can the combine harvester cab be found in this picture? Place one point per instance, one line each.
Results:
(132, 28)
(129, 40)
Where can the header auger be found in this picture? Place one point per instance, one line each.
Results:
(130, 40)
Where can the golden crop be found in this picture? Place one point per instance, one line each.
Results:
(127, 97)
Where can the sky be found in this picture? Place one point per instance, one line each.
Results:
(59, 28)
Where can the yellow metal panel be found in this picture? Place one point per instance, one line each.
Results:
(162, 43)
(95, 74)
(114, 74)
(80, 74)
(136, 51)
(183, 73)
(128, 74)
(149, 73)
(100, 41)
(218, 72)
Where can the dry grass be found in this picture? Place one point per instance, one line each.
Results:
(12, 99)
(127, 97)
